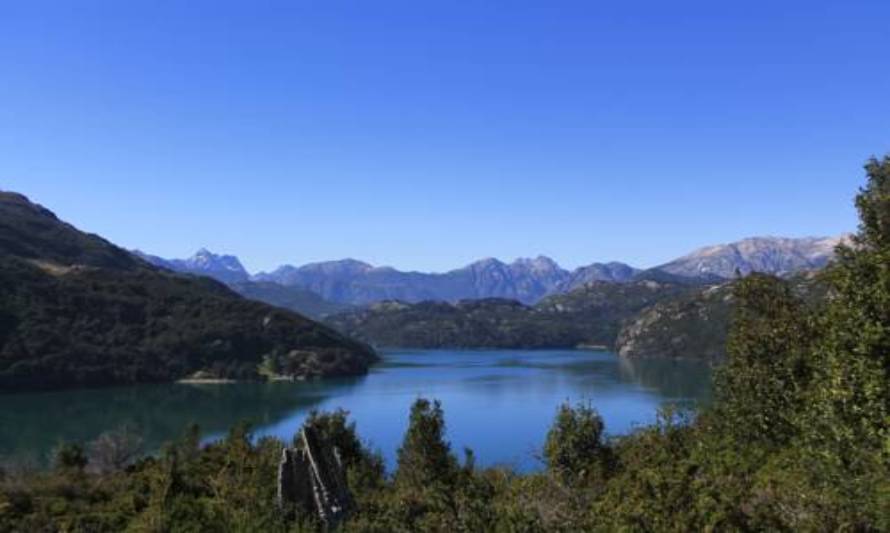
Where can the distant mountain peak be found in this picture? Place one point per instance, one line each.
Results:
(526, 279)
(204, 259)
(225, 268)
(486, 262)
(771, 255)
(340, 265)
(541, 263)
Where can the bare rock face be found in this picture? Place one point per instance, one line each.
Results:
(224, 268)
(768, 255)
(312, 480)
(691, 325)
(525, 279)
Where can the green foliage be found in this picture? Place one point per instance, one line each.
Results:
(575, 450)
(762, 384)
(652, 487)
(425, 461)
(845, 429)
(69, 456)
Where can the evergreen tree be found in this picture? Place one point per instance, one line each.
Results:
(574, 449)
(425, 458)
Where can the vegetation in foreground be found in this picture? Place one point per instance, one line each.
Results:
(797, 439)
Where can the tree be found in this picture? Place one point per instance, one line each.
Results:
(760, 388)
(425, 458)
(574, 449)
(845, 426)
(69, 456)
(427, 475)
(851, 403)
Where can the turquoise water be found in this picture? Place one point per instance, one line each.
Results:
(499, 403)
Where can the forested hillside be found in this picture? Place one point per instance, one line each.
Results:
(76, 310)
(589, 315)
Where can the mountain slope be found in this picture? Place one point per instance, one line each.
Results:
(690, 325)
(614, 271)
(30, 231)
(77, 310)
(589, 315)
(769, 255)
(297, 299)
(695, 323)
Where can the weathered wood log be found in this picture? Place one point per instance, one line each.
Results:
(294, 483)
(312, 479)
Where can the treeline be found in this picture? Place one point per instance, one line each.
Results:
(797, 439)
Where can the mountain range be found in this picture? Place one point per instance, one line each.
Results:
(524, 280)
(527, 280)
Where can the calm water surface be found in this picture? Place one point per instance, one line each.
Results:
(499, 403)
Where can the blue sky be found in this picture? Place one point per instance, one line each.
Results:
(425, 135)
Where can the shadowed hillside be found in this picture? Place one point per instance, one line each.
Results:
(77, 310)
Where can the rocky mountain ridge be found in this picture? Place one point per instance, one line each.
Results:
(224, 268)
(527, 280)
(769, 255)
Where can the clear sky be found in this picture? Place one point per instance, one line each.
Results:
(426, 134)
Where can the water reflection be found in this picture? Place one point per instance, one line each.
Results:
(680, 379)
(499, 403)
(31, 424)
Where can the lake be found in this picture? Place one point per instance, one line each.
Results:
(500, 403)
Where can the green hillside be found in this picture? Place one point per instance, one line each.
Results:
(589, 315)
(76, 310)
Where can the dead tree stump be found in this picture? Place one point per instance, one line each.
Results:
(312, 480)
